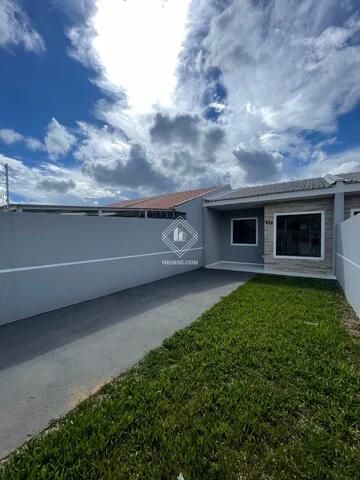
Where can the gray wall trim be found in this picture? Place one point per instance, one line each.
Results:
(84, 262)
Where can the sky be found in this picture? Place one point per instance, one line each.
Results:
(112, 99)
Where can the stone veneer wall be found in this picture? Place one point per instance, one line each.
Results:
(301, 265)
(351, 201)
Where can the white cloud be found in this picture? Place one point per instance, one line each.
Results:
(283, 70)
(346, 161)
(58, 140)
(54, 184)
(9, 136)
(100, 145)
(273, 73)
(15, 28)
(109, 158)
(136, 43)
(258, 164)
(34, 144)
(287, 68)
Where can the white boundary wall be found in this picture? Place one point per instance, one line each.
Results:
(49, 261)
(348, 260)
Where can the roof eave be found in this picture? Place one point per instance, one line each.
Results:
(77, 208)
(329, 191)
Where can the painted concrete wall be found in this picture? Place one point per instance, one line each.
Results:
(39, 245)
(348, 260)
(238, 253)
(301, 265)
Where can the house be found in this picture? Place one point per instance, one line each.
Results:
(287, 227)
(54, 256)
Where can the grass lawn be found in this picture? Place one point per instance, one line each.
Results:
(265, 385)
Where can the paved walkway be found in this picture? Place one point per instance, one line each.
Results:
(50, 362)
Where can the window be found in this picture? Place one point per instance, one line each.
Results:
(355, 211)
(244, 231)
(299, 235)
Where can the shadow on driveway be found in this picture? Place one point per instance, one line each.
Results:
(51, 361)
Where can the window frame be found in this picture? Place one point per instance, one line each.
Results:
(353, 210)
(296, 257)
(244, 244)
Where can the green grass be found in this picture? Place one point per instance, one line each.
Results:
(265, 385)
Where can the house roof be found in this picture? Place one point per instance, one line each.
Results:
(307, 184)
(167, 201)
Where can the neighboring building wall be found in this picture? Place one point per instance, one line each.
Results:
(348, 260)
(212, 226)
(238, 253)
(301, 265)
(351, 201)
(34, 240)
(194, 215)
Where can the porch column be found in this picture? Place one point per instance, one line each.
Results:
(339, 216)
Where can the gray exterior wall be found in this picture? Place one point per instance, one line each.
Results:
(212, 223)
(311, 266)
(351, 201)
(217, 237)
(348, 260)
(238, 253)
(46, 240)
(194, 215)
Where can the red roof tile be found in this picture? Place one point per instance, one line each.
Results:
(126, 203)
(167, 201)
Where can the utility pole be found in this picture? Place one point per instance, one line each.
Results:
(7, 196)
(7, 186)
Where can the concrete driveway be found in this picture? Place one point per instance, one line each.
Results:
(50, 362)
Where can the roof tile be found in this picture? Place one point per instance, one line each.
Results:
(167, 201)
(307, 184)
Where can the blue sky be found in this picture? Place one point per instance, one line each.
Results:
(101, 102)
(36, 87)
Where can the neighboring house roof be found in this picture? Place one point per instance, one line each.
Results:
(307, 184)
(353, 177)
(167, 201)
(127, 203)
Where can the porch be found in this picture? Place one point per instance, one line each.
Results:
(293, 238)
(262, 268)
